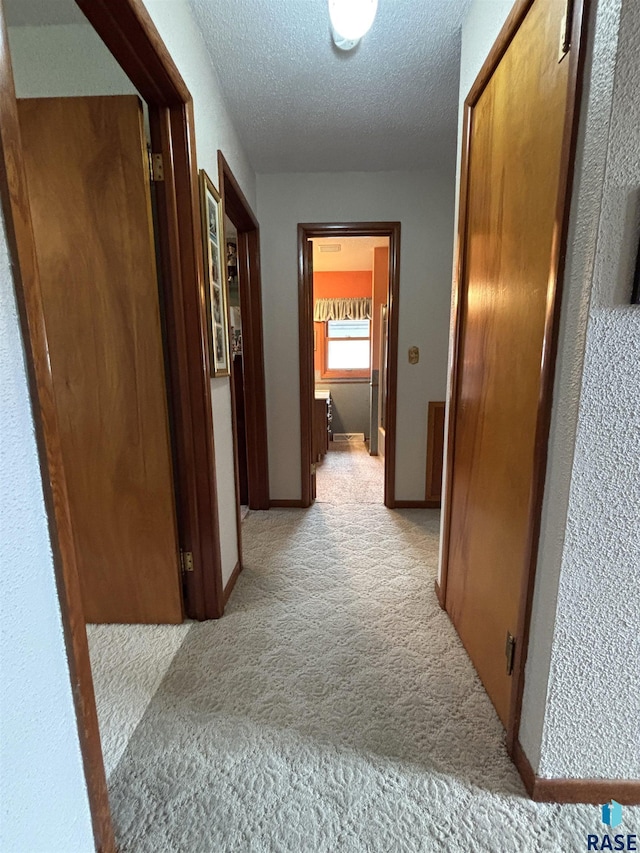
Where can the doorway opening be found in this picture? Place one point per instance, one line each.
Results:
(350, 298)
(249, 407)
(348, 331)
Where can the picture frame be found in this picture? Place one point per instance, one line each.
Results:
(217, 299)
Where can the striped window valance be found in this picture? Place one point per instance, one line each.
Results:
(358, 308)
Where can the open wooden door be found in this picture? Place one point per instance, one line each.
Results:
(519, 124)
(308, 262)
(88, 177)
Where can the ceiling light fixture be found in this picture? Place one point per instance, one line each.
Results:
(330, 247)
(350, 20)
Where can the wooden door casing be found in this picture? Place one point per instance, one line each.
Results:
(516, 178)
(88, 183)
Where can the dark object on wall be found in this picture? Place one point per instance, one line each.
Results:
(435, 453)
(322, 417)
(635, 295)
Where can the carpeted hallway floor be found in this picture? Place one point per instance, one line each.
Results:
(348, 475)
(332, 709)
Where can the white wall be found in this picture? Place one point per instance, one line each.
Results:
(43, 796)
(64, 61)
(71, 60)
(581, 711)
(424, 204)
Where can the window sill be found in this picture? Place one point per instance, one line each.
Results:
(344, 380)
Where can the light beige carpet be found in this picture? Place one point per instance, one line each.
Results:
(348, 475)
(331, 710)
(128, 662)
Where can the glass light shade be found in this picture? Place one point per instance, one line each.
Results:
(351, 19)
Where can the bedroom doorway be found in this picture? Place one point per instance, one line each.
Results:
(348, 361)
(350, 297)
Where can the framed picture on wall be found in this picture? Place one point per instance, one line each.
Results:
(215, 278)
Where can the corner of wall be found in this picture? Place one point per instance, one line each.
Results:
(42, 785)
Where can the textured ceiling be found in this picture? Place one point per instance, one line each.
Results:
(300, 104)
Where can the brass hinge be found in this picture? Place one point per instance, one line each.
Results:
(510, 652)
(156, 165)
(313, 469)
(186, 561)
(565, 31)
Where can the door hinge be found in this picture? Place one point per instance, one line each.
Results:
(186, 561)
(156, 167)
(313, 469)
(510, 652)
(565, 31)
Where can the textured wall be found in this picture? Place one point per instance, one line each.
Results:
(43, 797)
(423, 203)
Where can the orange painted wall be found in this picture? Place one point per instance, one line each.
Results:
(334, 285)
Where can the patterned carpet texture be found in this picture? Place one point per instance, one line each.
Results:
(331, 710)
(348, 475)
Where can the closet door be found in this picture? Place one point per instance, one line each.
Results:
(514, 191)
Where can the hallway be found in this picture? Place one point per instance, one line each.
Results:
(331, 709)
(348, 475)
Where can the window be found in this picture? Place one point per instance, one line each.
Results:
(348, 349)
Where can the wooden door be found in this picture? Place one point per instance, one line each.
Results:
(514, 183)
(312, 460)
(88, 180)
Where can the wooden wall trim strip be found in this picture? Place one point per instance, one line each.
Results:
(237, 208)
(280, 504)
(187, 502)
(305, 332)
(208, 571)
(19, 230)
(127, 29)
(235, 574)
(524, 768)
(435, 452)
(305, 320)
(590, 791)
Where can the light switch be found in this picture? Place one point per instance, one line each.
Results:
(414, 355)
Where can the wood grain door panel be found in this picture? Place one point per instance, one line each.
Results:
(514, 168)
(89, 194)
